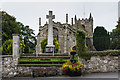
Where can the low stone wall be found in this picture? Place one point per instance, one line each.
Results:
(95, 64)
(11, 69)
(101, 64)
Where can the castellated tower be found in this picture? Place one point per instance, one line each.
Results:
(85, 24)
(65, 33)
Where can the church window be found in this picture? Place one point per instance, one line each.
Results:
(55, 33)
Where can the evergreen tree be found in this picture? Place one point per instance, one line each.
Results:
(101, 38)
(115, 37)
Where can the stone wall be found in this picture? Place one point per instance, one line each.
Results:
(101, 64)
(95, 64)
(11, 69)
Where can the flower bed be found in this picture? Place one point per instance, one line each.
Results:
(72, 69)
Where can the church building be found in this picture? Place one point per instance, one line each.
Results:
(65, 33)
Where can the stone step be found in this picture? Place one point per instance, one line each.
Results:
(46, 57)
(39, 65)
(46, 54)
(42, 62)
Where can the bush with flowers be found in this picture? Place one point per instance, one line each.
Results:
(72, 68)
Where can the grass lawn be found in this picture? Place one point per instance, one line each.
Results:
(42, 64)
(41, 60)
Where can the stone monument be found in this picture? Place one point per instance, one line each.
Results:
(50, 47)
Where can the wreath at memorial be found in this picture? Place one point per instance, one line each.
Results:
(44, 43)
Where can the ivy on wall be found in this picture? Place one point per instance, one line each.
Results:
(80, 43)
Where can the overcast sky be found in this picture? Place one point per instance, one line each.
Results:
(104, 13)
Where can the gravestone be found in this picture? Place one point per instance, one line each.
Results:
(50, 48)
(15, 47)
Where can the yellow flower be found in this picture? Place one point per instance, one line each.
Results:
(20, 44)
(70, 66)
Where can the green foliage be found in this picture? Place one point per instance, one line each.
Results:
(101, 39)
(29, 39)
(43, 44)
(7, 47)
(115, 35)
(9, 26)
(101, 53)
(41, 60)
(80, 43)
(22, 47)
(55, 42)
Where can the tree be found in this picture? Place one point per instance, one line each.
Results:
(101, 39)
(9, 26)
(80, 42)
(44, 43)
(28, 37)
(115, 37)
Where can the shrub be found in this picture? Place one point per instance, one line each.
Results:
(44, 43)
(69, 68)
(7, 47)
(80, 43)
(101, 53)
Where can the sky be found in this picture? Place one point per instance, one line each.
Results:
(119, 9)
(104, 13)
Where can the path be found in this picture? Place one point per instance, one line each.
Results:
(93, 76)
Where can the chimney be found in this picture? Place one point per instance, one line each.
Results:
(72, 21)
(39, 23)
(75, 19)
(66, 18)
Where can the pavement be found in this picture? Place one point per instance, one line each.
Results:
(92, 76)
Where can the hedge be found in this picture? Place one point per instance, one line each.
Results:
(89, 54)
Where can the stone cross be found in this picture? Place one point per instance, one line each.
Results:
(50, 29)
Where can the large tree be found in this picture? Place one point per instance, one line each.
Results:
(9, 26)
(115, 37)
(28, 37)
(101, 38)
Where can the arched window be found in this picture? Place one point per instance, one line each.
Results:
(55, 33)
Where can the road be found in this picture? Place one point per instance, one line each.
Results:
(93, 76)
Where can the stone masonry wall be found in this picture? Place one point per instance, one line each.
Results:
(10, 69)
(95, 64)
(101, 64)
